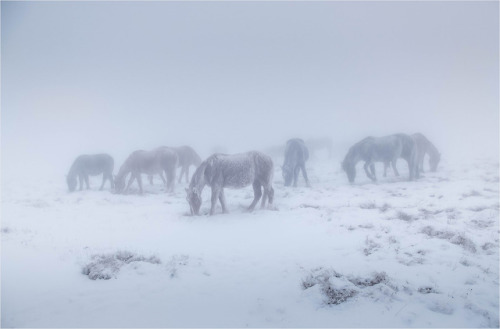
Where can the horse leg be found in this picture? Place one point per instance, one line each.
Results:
(215, 195)
(394, 168)
(86, 177)
(139, 182)
(386, 165)
(180, 175)
(104, 176)
(80, 180)
(165, 182)
(130, 181)
(304, 173)
(268, 195)
(295, 175)
(187, 174)
(257, 193)
(111, 181)
(222, 199)
(367, 164)
(264, 197)
(171, 173)
(372, 170)
(410, 169)
(421, 156)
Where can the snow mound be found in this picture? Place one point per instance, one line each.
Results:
(105, 267)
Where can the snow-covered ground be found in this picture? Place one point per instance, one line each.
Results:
(387, 254)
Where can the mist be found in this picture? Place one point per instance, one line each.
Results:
(91, 77)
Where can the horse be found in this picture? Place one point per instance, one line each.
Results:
(424, 146)
(94, 164)
(157, 161)
(385, 149)
(187, 157)
(233, 171)
(296, 155)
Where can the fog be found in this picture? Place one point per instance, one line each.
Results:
(90, 77)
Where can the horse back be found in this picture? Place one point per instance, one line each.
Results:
(384, 148)
(238, 170)
(187, 156)
(93, 164)
(421, 141)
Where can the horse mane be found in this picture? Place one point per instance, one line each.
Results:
(353, 150)
(433, 151)
(199, 175)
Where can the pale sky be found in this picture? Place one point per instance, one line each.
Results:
(89, 77)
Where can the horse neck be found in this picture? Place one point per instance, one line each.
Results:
(352, 157)
(198, 179)
(124, 170)
(433, 152)
(196, 159)
(73, 171)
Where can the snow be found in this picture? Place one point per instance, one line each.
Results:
(387, 254)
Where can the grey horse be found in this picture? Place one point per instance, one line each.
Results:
(233, 171)
(424, 146)
(94, 164)
(385, 149)
(296, 155)
(187, 157)
(139, 162)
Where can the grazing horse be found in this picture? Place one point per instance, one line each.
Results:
(93, 165)
(234, 171)
(296, 155)
(157, 161)
(424, 146)
(187, 157)
(385, 149)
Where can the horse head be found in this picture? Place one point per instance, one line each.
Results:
(434, 161)
(350, 170)
(71, 180)
(193, 197)
(119, 183)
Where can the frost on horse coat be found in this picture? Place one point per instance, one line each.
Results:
(234, 171)
(296, 155)
(92, 165)
(385, 149)
(157, 161)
